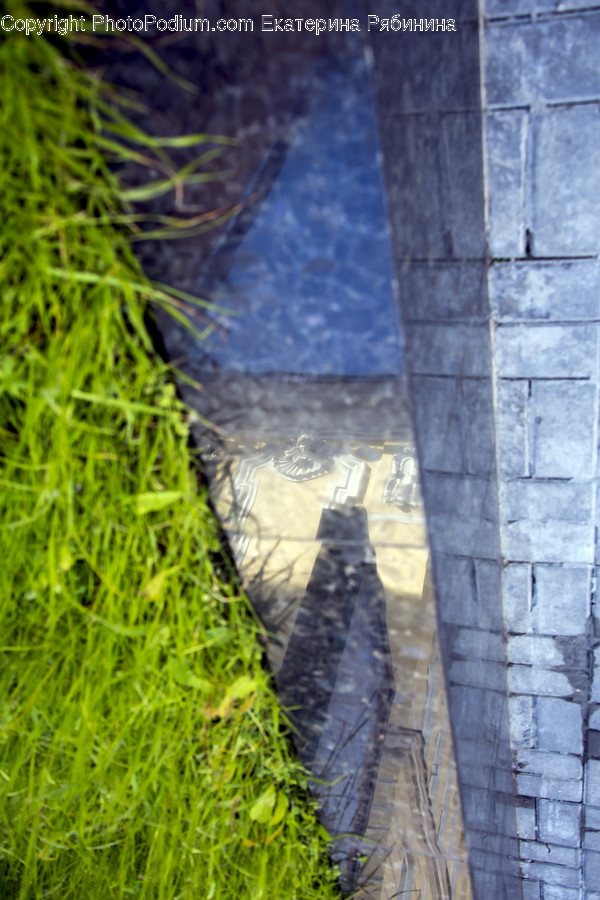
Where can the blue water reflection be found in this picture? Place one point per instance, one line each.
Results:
(311, 281)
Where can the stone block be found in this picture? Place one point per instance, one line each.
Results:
(551, 765)
(596, 677)
(592, 789)
(593, 747)
(550, 60)
(553, 892)
(549, 788)
(592, 817)
(516, 592)
(444, 290)
(511, 428)
(531, 890)
(506, 8)
(534, 651)
(506, 53)
(449, 349)
(539, 682)
(461, 144)
(591, 869)
(465, 536)
(559, 823)
(562, 411)
(545, 852)
(565, 56)
(458, 592)
(566, 220)
(437, 410)
(469, 496)
(479, 426)
(522, 721)
(561, 601)
(526, 822)
(478, 714)
(527, 541)
(559, 726)
(591, 840)
(595, 719)
(546, 351)
(479, 673)
(547, 501)
(471, 643)
(553, 290)
(505, 147)
(557, 875)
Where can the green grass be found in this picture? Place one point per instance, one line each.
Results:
(142, 751)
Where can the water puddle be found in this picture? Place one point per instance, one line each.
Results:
(312, 466)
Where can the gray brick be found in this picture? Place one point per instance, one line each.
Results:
(559, 823)
(472, 643)
(565, 57)
(552, 892)
(545, 351)
(505, 145)
(562, 435)
(511, 428)
(449, 349)
(561, 601)
(596, 676)
(592, 817)
(531, 890)
(463, 494)
(558, 542)
(559, 726)
(516, 593)
(595, 719)
(591, 840)
(437, 411)
(479, 425)
(592, 776)
(444, 290)
(546, 290)
(549, 788)
(506, 52)
(526, 822)
(550, 60)
(566, 220)
(536, 651)
(507, 7)
(479, 673)
(545, 682)
(544, 852)
(465, 536)
(558, 875)
(522, 721)
(459, 599)
(591, 868)
(547, 500)
(551, 765)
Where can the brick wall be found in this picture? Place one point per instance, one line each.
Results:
(542, 133)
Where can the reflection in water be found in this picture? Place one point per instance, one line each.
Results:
(312, 279)
(338, 571)
(314, 475)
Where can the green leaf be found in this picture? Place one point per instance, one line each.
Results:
(152, 502)
(262, 809)
(241, 687)
(280, 809)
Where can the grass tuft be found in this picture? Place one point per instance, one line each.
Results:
(142, 750)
